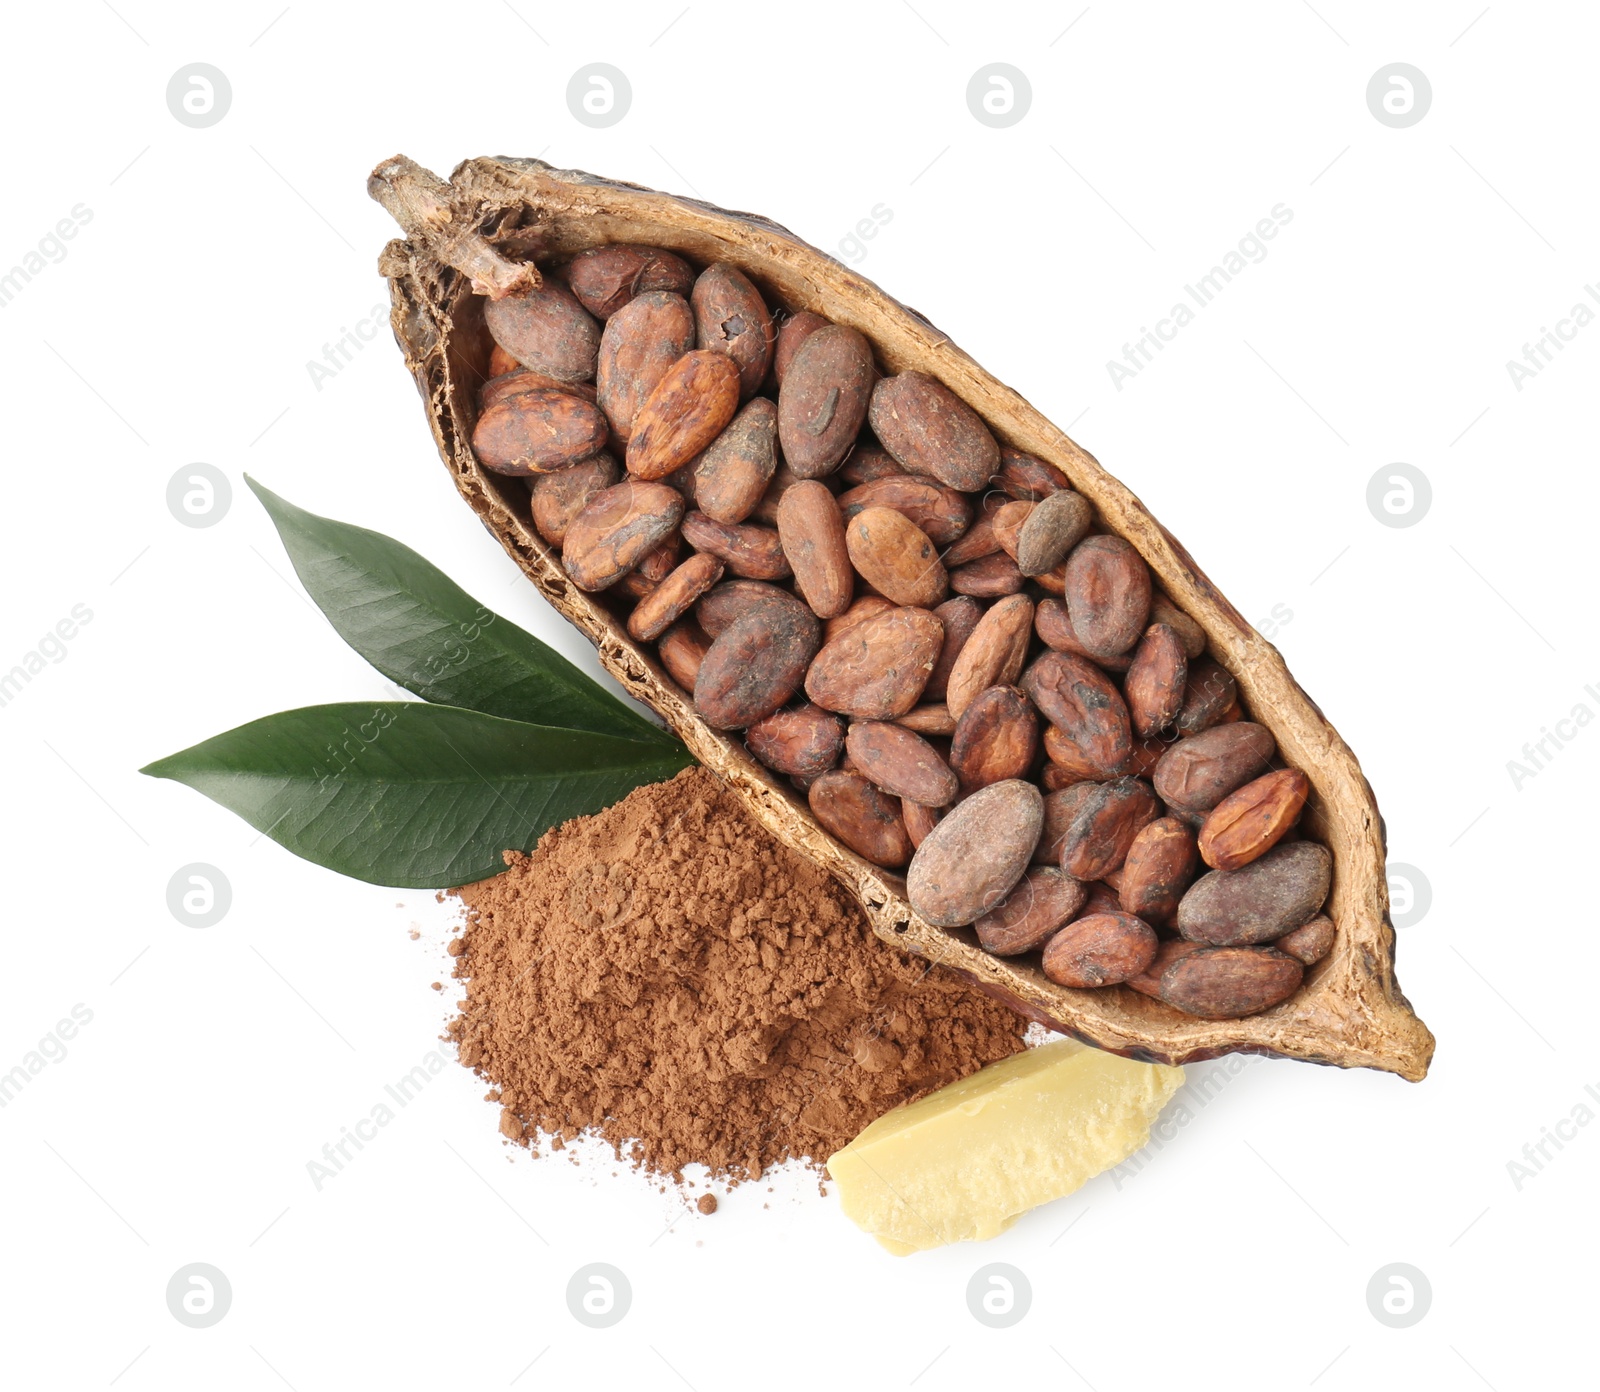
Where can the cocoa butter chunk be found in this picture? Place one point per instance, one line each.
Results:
(931, 430)
(823, 399)
(1265, 900)
(1226, 983)
(755, 665)
(964, 1163)
(865, 818)
(972, 860)
(546, 330)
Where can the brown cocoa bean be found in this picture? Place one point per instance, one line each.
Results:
(1207, 696)
(1226, 983)
(605, 278)
(893, 555)
(928, 720)
(1007, 523)
(960, 616)
(1045, 900)
(1053, 624)
(794, 331)
(877, 669)
(1102, 899)
(662, 560)
(559, 497)
(1262, 901)
(1196, 773)
(616, 529)
(931, 430)
(734, 598)
(865, 463)
(802, 741)
(1107, 821)
(537, 432)
(501, 362)
(735, 470)
(861, 609)
(521, 380)
(811, 532)
(682, 648)
(976, 542)
(755, 665)
(919, 820)
(1060, 807)
(1153, 686)
(688, 408)
(866, 820)
(973, 859)
(641, 341)
(823, 399)
(732, 319)
(1108, 594)
(752, 553)
(1053, 777)
(941, 512)
(1078, 699)
(1248, 823)
(546, 330)
(1310, 942)
(996, 738)
(988, 577)
(993, 655)
(901, 763)
(1193, 637)
(782, 481)
(1028, 477)
(673, 596)
(1100, 949)
(1159, 866)
(1148, 982)
(1147, 754)
(1050, 531)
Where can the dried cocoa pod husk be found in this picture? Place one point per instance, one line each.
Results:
(811, 533)
(606, 278)
(804, 741)
(732, 319)
(559, 497)
(1350, 1013)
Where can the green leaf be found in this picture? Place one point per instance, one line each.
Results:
(424, 632)
(416, 796)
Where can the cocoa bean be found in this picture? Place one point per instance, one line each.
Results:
(1153, 687)
(755, 665)
(682, 649)
(976, 542)
(1262, 901)
(616, 529)
(521, 380)
(688, 408)
(1060, 807)
(734, 598)
(941, 512)
(1053, 624)
(1148, 982)
(1107, 821)
(1248, 823)
(823, 399)
(803, 741)
(1078, 699)
(1193, 637)
(930, 430)
(928, 720)
(641, 341)
(811, 532)
(1159, 866)
(736, 468)
(546, 330)
(559, 497)
(794, 331)
(993, 655)
(972, 860)
(1028, 477)
(877, 669)
(1207, 696)
(866, 820)
(1196, 773)
(661, 561)
(752, 553)
(919, 820)
(1226, 983)
(1147, 754)
(996, 738)
(732, 319)
(1310, 942)
(1044, 901)
(538, 432)
(893, 555)
(1108, 594)
(861, 609)
(865, 463)
(960, 616)
(501, 362)
(988, 577)
(1099, 949)
(1008, 522)
(605, 278)
(901, 763)
(673, 596)
(1054, 526)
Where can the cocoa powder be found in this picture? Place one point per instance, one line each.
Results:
(669, 978)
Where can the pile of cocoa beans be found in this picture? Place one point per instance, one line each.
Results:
(920, 627)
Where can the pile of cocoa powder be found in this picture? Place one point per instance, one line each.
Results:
(668, 977)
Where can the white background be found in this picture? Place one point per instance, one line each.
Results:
(178, 328)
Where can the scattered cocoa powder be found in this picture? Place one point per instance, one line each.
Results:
(667, 976)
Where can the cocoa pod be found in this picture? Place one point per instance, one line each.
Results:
(861, 609)
(930, 430)
(673, 596)
(919, 820)
(794, 331)
(1053, 624)
(734, 598)
(559, 497)
(1101, 949)
(1107, 821)
(752, 553)
(1153, 686)
(1193, 637)
(993, 655)
(1050, 531)
(546, 330)
(538, 432)
(972, 860)
(605, 278)
(1248, 823)
(1262, 901)
(811, 533)
(1078, 699)
(616, 529)
(1044, 901)
(976, 542)
(877, 669)
(1108, 594)
(1148, 982)
(641, 342)
(1310, 942)
(996, 738)
(941, 512)
(755, 665)
(893, 555)
(1007, 522)
(689, 407)
(1157, 870)
(823, 399)
(1225, 983)
(928, 720)
(1028, 477)
(802, 741)
(1196, 773)
(865, 463)
(733, 473)
(1207, 695)
(1060, 807)
(682, 648)
(866, 820)
(731, 319)
(901, 763)
(960, 616)
(988, 577)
